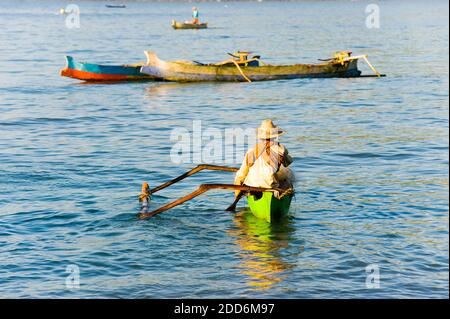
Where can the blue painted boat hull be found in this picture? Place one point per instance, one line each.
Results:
(97, 72)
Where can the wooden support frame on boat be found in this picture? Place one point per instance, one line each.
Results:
(202, 189)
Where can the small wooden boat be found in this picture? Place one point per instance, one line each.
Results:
(187, 25)
(266, 206)
(97, 72)
(262, 201)
(242, 68)
(117, 6)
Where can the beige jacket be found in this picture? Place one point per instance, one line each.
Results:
(276, 156)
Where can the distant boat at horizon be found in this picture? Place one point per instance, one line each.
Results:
(121, 6)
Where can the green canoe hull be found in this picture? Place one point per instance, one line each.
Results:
(268, 207)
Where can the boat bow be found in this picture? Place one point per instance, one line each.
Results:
(98, 72)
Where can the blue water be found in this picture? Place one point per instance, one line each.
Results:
(371, 155)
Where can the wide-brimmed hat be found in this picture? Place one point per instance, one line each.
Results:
(268, 130)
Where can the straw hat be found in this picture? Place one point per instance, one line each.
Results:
(268, 130)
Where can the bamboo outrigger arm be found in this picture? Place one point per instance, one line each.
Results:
(236, 64)
(202, 189)
(192, 172)
(241, 72)
(365, 58)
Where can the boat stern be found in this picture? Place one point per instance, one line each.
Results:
(352, 70)
(268, 207)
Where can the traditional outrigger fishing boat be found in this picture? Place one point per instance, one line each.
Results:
(265, 203)
(97, 72)
(188, 25)
(241, 67)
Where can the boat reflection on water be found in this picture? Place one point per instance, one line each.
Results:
(165, 88)
(262, 246)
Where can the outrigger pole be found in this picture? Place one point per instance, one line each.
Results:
(202, 189)
(144, 197)
(192, 172)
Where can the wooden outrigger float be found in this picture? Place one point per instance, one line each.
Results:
(262, 201)
(188, 25)
(241, 68)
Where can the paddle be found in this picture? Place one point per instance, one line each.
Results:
(202, 189)
(232, 207)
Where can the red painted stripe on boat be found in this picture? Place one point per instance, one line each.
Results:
(89, 76)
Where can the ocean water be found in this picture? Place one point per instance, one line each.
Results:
(371, 155)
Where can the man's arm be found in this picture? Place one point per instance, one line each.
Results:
(241, 174)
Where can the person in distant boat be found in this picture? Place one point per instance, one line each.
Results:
(195, 15)
(266, 165)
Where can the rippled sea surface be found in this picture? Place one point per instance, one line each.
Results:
(371, 155)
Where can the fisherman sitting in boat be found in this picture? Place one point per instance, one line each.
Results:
(266, 165)
(195, 19)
